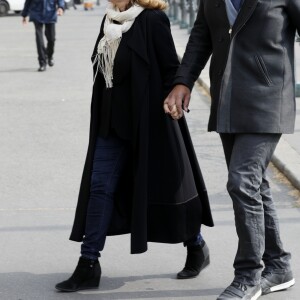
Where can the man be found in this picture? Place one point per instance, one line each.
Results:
(43, 13)
(253, 103)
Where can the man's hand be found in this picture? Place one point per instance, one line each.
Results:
(24, 21)
(178, 98)
(60, 11)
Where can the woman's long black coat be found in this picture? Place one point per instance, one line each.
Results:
(162, 196)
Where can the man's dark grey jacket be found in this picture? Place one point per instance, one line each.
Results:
(252, 64)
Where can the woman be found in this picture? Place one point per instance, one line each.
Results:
(141, 174)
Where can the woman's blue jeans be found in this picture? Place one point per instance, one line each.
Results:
(110, 157)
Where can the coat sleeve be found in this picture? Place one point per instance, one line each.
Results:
(197, 52)
(61, 4)
(294, 13)
(25, 10)
(165, 50)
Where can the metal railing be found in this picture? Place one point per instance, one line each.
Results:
(297, 88)
(183, 13)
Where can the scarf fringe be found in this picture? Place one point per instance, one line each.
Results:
(105, 60)
(109, 44)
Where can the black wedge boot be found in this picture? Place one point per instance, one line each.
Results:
(197, 259)
(86, 276)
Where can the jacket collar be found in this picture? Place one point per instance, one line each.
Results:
(244, 15)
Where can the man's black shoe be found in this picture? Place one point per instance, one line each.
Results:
(50, 62)
(237, 291)
(42, 68)
(197, 259)
(272, 282)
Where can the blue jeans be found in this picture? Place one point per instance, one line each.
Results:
(194, 241)
(110, 157)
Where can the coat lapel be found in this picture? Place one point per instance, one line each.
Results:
(137, 42)
(245, 13)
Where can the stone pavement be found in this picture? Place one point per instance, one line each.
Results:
(44, 122)
(287, 154)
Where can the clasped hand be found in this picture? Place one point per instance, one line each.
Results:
(177, 101)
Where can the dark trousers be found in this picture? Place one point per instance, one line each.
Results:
(44, 52)
(247, 157)
(110, 157)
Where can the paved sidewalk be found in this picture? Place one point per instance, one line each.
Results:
(287, 154)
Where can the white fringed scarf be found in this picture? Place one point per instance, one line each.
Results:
(108, 45)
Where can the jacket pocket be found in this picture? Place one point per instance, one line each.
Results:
(263, 69)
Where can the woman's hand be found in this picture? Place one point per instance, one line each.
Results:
(178, 98)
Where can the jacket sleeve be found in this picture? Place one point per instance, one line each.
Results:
(61, 4)
(293, 8)
(165, 50)
(197, 52)
(25, 10)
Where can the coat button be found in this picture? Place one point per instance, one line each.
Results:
(220, 72)
(217, 4)
(220, 40)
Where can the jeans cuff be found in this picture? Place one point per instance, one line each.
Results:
(89, 256)
(277, 271)
(246, 281)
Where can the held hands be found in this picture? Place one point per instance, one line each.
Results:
(178, 99)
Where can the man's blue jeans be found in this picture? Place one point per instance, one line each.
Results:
(110, 157)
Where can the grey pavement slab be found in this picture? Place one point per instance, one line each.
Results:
(44, 120)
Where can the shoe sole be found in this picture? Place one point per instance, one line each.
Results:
(257, 295)
(80, 289)
(280, 287)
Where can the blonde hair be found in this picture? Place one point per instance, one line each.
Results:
(152, 4)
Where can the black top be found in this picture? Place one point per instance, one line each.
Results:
(116, 113)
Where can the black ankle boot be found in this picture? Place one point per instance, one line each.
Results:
(197, 259)
(86, 276)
